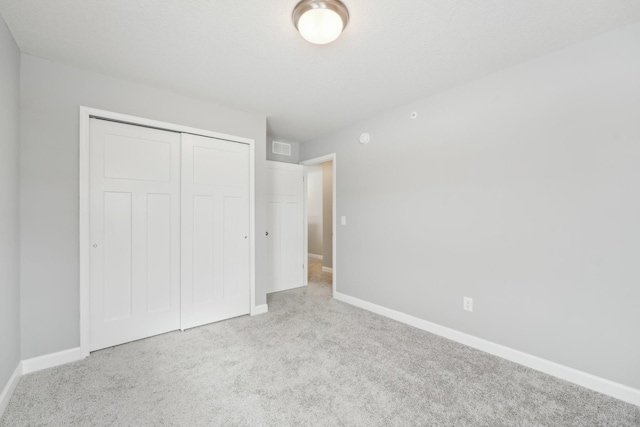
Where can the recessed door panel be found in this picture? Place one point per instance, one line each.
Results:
(130, 158)
(274, 254)
(291, 239)
(219, 168)
(159, 241)
(204, 239)
(117, 256)
(233, 242)
(285, 182)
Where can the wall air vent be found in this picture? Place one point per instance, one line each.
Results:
(281, 148)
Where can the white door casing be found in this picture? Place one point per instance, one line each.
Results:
(215, 230)
(285, 241)
(135, 232)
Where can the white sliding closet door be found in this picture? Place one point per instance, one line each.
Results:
(285, 209)
(215, 230)
(135, 232)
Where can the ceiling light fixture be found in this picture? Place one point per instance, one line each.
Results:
(320, 21)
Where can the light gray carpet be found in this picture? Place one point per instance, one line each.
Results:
(310, 361)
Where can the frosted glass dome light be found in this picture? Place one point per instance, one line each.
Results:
(320, 22)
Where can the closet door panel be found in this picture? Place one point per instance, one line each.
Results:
(215, 230)
(135, 232)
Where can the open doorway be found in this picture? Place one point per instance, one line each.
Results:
(320, 227)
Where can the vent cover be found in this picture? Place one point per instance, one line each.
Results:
(281, 148)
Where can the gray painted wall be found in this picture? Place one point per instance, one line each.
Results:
(9, 204)
(327, 214)
(51, 95)
(295, 153)
(520, 190)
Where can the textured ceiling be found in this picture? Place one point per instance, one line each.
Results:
(246, 54)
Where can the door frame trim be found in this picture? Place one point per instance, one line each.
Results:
(316, 161)
(86, 113)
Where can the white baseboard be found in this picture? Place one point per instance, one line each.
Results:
(5, 397)
(260, 309)
(327, 269)
(584, 379)
(314, 256)
(50, 360)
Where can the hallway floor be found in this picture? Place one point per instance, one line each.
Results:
(320, 282)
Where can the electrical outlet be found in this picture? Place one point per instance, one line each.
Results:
(467, 303)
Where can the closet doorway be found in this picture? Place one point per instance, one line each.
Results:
(167, 238)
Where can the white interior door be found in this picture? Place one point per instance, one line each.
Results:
(285, 209)
(135, 232)
(215, 230)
